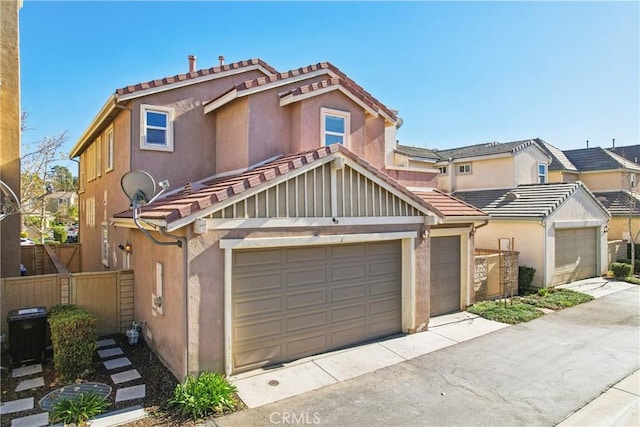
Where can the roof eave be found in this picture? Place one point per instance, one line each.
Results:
(106, 110)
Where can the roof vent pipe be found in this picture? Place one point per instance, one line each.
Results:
(614, 142)
(587, 143)
(192, 63)
(221, 59)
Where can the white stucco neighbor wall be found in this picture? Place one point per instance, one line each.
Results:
(526, 165)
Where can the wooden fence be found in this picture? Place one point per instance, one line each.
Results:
(107, 295)
(36, 261)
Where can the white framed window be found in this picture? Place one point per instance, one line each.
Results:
(464, 169)
(443, 170)
(334, 126)
(98, 157)
(108, 146)
(156, 128)
(542, 173)
(105, 244)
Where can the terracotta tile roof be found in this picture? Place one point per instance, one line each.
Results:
(207, 193)
(343, 80)
(199, 73)
(449, 206)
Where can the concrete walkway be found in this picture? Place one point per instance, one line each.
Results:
(536, 373)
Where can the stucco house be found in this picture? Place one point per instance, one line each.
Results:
(559, 229)
(509, 181)
(288, 229)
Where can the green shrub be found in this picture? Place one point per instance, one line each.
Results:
(59, 234)
(73, 333)
(525, 278)
(543, 292)
(511, 313)
(210, 393)
(621, 270)
(628, 261)
(78, 410)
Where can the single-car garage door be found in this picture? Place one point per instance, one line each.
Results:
(576, 254)
(445, 274)
(288, 303)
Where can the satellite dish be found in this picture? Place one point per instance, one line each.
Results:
(9, 202)
(139, 186)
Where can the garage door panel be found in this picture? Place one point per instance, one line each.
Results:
(306, 299)
(308, 320)
(304, 255)
(346, 292)
(346, 252)
(445, 275)
(348, 272)
(306, 277)
(258, 307)
(349, 312)
(257, 330)
(266, 257)
(331, 296)
(305, 345)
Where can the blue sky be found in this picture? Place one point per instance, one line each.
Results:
(459, 72)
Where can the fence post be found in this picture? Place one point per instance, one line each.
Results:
(65, 287)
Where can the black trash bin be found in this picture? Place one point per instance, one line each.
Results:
(27, 334)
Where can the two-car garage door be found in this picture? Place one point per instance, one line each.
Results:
(293, 302)
(576, 254)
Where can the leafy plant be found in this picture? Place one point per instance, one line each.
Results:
(59, 234)
(78, 410)
(511, 313)
(621, 270)
(525, 278)
(210, 393)
(543, 292)
(555, 299)
(73, 333)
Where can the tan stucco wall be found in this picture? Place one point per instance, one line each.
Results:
(560, 176)
(165, 333)
(232, 137)
(606, 181)
(526, 165)
(10, 133)
(619, 227)
(109, 199)
(490, 173)
(413, 179)
(528, 240)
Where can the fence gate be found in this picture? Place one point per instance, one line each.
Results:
(98, 293)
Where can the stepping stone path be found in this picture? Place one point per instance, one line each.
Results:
(107, 350)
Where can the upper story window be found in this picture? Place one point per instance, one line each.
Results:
(443, 170)
(156, 128)
(335, 126)
(542, 173)
(463, 169)
(108, 142)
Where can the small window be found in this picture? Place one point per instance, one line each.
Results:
(542, 173)
(462, 169)
(443, 170)
(105, 244)
(156, 129)
(109, 150)
(335, 126)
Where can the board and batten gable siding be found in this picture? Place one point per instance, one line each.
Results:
(310, 195)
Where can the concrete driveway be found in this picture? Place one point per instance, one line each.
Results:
(532, 374)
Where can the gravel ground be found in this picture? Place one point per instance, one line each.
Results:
(159, 382)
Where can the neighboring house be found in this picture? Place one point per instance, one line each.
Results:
(613, 179)
(477, 166)
(10, 133)
(629, 152)
(59, 201)
(297, 232)
(559, 229)
(488, 175)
